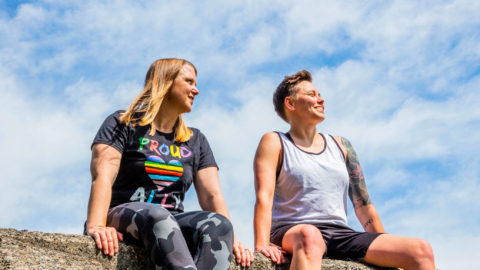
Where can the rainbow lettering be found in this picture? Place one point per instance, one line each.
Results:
(164, 150)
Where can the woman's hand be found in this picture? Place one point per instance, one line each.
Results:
(106, 239)
(243, 254)
(274, 252)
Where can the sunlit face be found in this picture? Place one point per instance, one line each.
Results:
(184, 89)
(307, 103)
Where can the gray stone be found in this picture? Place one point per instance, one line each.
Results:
(264, 263)
(37, 250)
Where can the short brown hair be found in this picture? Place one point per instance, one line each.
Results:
(287, 88)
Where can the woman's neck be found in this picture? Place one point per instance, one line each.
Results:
(305, 134)
(307, 138)
(165, 120)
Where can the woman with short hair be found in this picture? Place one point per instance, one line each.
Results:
(302, 180)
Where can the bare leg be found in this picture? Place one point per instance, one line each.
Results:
(305, 243)
(396, 251)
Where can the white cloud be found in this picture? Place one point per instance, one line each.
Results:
(46, 148)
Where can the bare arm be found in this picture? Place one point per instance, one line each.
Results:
(209, 193)
(210, 198)
(265, 167)
(104, 168)
(364, 209)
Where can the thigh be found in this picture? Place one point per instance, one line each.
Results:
(345, 243)
(209, 237)
(188, 222)
(393, 251)
(193, 219)
(194, 223)
(306, 233)
(277, 234)
(131, 218)
(196, 220)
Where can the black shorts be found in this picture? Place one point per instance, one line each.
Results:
(341, 242)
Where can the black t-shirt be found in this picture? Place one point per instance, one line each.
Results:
(153, 169)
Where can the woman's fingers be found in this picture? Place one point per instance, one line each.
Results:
(265, 252)
(120, 236)
(103, 236)
(111, 244)
(244, 251)
(98, 240)
(243, 254)
(115, 241)
(269, 252)
(236, 250)
(250, 257)
(279, 253)
(281, 258)
(106, 239)
(275, 255)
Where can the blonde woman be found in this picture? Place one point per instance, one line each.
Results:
(302, 181)
(144, 160)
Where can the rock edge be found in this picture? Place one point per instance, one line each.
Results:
(38, 250)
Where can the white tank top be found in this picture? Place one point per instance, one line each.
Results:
(310, 187)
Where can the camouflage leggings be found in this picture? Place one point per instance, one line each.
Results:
(171, 239)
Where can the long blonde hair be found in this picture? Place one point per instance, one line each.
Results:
(158, 83)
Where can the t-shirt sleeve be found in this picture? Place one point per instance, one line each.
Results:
(206, 155)
(112, 132)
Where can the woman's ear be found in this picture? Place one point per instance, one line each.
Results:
(289, 103)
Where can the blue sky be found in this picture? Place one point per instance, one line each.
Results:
(400, 80)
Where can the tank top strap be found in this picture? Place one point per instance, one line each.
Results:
(333, 148)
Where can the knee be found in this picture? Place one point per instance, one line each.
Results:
(310, 239)
(421, 254)
(216, 229)
(152, 223)
(216, 224)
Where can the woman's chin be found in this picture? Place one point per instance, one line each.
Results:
(187, 110)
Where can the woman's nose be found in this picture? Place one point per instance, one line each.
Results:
(320, 100)
(195, 91)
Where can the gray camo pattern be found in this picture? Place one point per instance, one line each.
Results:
(190, 240)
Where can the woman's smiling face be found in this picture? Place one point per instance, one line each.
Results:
(184, 89)
(307, 103)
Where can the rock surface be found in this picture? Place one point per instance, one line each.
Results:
(36, 250)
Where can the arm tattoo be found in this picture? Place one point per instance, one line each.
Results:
(370, 221)
(357, 189)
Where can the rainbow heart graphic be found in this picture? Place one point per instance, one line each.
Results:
(163, 174)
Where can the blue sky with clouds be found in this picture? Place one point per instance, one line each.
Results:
(400, 80)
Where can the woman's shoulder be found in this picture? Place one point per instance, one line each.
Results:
(196, 133)
(198, 137)
(115, 116)
(113, 119)
(340, 140)
(272, 139)
(195, 130)
(335, 137)
(115, 122)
